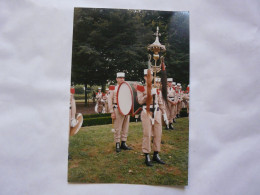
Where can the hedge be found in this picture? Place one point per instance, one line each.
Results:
(79, 89)
(97, 121)
(96, 115)
(79, 96)
(102, 119)
(183, 112)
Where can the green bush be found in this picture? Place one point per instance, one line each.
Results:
(100, 119)
(79, 96)
(183, 112)
(96, 115)
(97, 121)
(79, 89)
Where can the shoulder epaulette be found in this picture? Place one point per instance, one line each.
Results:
(140, 88)
(158, 91)
(72, 90)
(112, 87)
(96, 93)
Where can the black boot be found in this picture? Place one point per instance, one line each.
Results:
(171, 127)
(124, 146)
(157, 158)
(166, 128)
(118, 147)
(174, 120)
(148, 160)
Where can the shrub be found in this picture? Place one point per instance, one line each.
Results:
(79, 96)
(100, 119)
(97, 121)
(96, 115)
(79, 89)
(184, 113)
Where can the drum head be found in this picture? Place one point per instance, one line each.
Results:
(124, 98)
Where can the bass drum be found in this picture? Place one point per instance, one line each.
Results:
(127, 98)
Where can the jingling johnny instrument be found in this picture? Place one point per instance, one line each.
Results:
(127, 98)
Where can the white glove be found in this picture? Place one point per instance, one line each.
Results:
(153, 91)
(165, 117)
(73, 122)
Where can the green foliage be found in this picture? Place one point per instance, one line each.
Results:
(96, 115)
(184, 113)
(97, 121)
(106, 41)
(79, 89)
(93, 147)
(79, 96)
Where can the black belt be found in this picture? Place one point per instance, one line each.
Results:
(151, 109)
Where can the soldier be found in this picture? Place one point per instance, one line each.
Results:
(99, 104)
(179, 98)
(158, 83)
(73, 120)
(121, 122)
(159, 86)
(105, 100)
(186, 98)
(172, 102)
(76, 119)
(174, 86)
(151, 122)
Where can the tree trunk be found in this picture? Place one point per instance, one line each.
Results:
(103, 87)
(86, 94)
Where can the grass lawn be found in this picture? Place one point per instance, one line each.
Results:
(94, 160)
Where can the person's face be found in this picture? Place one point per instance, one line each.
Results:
(120, 80)
(99, 90)
(169, 84)
(158, 84)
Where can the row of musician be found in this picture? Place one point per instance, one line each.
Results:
(174, 90)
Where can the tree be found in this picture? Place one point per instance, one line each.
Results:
(107, 41)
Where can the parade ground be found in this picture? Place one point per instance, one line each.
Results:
(93, 158)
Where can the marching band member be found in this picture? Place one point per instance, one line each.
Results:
(76, 119)
(151, 119)
(186, 98)
(73, 120)
(179, 98)
(105, 98)
(172, 102)
(99, 104)
(121, 122)
(174, 86)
